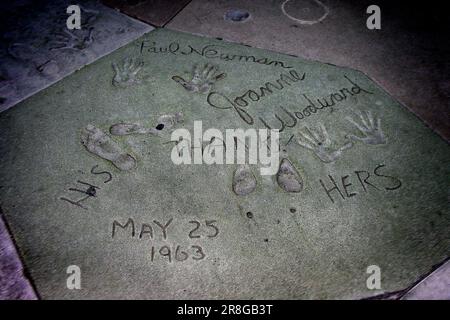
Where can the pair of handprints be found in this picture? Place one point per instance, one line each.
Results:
(319, 142)
(202, 78)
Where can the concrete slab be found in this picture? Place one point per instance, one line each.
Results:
(408, 56)
(37, 49)
(139, 226)
(154, 12)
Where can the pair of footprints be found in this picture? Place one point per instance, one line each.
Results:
(102, 145)
(287, 177)
(202, 79)
(318, 140)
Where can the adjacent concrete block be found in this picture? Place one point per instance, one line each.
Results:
(13, 284)
(435, 286)
(37, 48)
(155, 12)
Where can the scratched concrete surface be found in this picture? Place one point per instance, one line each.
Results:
(390, 209)
(37, 49)
(408, 56)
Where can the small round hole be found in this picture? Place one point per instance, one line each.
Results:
(237, 15)
(91, 191)
(249, 215)
(160, 126)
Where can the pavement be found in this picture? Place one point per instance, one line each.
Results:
(406, 60)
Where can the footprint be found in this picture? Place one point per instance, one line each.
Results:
(288, 178)
(100, 144)
(244, 182)
(123, 129)
(169, 120)
(166, 121)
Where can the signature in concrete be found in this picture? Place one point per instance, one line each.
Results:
(210, 51)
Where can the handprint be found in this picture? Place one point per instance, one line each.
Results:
(318, 141)
(370, 127)
(126, 72)
(74, 40)
(203, 78)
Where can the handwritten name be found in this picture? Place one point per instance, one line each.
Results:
(220, 101)
(286, 117)
(210, 51)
